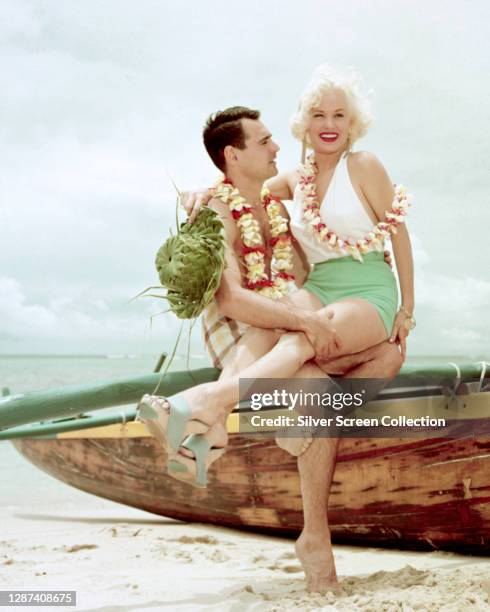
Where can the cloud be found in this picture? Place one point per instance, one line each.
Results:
(99, 99)
(77, 321)
(452, 315)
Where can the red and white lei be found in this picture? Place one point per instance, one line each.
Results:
(253, 249)
(356, 247)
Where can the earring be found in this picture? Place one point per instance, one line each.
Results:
(303, 151)
(348, 144)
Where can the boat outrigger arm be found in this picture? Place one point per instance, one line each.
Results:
(30, 414)
(71, 402)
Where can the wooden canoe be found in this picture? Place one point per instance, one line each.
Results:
(398, 492)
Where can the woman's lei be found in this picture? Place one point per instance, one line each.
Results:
(253, 249)
(356, 247)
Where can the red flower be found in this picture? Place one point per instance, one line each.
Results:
(286, 237)
(245, 250)
(236, 214)
(260, 284)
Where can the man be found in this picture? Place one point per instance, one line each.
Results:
(241, 146)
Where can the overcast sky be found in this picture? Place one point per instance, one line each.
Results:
(100, 99)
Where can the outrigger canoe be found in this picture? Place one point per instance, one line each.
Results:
(398, 492)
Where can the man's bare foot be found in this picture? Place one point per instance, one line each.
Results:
(314, 551)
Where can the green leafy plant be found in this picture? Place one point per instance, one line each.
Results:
(191, 263)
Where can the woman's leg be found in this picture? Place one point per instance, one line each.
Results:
(261, 353)
(357, 322)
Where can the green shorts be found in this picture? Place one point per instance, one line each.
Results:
(371, 280)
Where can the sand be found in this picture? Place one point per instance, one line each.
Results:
(119, 558)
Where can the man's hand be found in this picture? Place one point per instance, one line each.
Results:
(193, 201)
(322, 335)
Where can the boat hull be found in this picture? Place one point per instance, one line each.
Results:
(416, 494)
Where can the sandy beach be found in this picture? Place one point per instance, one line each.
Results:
(54, 537)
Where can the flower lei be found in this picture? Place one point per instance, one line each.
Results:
(253, 250)
(348, 246)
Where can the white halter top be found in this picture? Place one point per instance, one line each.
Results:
(341, 210)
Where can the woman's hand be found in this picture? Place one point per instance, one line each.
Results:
(400, 332)
(193, 201)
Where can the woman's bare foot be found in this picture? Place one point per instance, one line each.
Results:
(314, 550)
(206, 402)
(162, 406)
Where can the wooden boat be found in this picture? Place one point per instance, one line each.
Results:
(414, 493)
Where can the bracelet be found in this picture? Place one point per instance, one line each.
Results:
(405, 311)
(409, 322)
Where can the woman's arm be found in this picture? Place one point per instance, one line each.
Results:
(301, 267)
(282, 185)
(379, 192)
(402, 249)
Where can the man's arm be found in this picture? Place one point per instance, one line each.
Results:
(238, 303)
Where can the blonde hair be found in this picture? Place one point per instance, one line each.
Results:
(324, 79)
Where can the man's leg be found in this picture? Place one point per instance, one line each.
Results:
(316, 467)
(314, 548)
(381, 361)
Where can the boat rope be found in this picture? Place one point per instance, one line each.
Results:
(483, 365)
(458, 376)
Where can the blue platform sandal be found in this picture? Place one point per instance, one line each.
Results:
(194, 470)
(179, 422)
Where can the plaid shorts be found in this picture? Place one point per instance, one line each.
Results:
(221, 334)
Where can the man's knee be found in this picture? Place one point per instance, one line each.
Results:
(270, 336)
(390, 359)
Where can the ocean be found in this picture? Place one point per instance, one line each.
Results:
(23, 486)
(21, 483)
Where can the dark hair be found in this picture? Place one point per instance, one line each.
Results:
(225, 128)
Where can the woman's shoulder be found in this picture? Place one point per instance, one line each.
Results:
(366, 166)
(364, 160)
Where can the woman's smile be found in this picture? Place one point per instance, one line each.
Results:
(328, 136)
